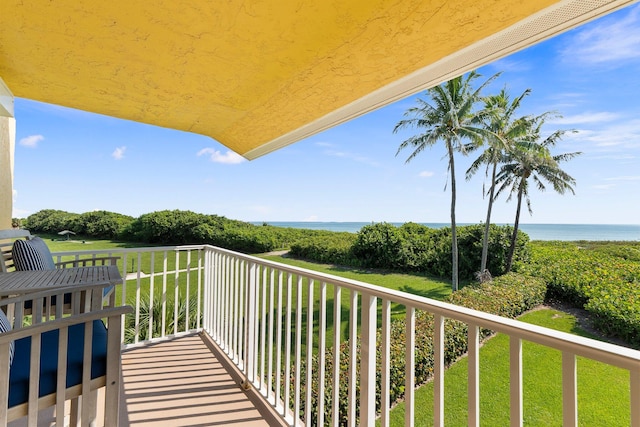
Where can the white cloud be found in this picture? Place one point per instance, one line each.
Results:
(31, 140)
(612, 41)
(355, 157)
(312, 218)
(624, 178)
(603, 116)
(229, 158)
(624, 133)
(425, 174)
(604, 186)
(118, 153)
(509, 65)
(15, 195)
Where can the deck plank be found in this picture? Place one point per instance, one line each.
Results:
(181, 382)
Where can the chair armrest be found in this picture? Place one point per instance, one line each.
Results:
(30, 296)
(54, 302)
(39, 328)
(84, 262)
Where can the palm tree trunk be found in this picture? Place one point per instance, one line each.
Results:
(514, 236)
(454, 235)
(485, 238)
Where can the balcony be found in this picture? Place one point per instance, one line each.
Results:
(243, 356)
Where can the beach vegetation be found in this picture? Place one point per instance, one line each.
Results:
(604, 279)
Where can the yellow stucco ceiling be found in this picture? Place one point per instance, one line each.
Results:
(258, 75)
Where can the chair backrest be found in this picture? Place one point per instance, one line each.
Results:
(7, 238)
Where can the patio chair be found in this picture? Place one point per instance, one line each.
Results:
(36, 254)
(22, 251)
(33, 358)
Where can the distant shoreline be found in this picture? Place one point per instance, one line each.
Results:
(565, 232)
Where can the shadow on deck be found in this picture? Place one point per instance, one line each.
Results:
(187, 382)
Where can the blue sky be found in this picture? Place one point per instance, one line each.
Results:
(76, 161)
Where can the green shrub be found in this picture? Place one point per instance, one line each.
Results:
(50, 221)
(101, 224)
(599, 279)
(379, 245)
(616, 311)
(328, 248)
(156, 330)
(415, 247)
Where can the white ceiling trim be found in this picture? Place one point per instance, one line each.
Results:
(6, 101)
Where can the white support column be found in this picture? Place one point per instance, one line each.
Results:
(7, 149)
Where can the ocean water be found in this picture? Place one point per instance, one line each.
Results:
(569, 232)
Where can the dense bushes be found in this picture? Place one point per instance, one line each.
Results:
(168, 227)
(603, 279)
(326, 247)
(509, 296)
(415, 247)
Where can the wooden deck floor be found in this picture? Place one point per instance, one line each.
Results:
(183, 382)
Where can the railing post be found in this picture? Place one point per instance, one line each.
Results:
(353, 333)
(368, 361)
(385, 360)
(250, 326)
(515, 388)
(635, 397)
(438, 371)
(473, 367)
(569, 390)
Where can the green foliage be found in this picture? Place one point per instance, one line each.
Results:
(417, 248)
(379, 245)
(326, 247)
(101, 224)
(146, 307)
(50, 221)
(509, 295)
(603, 279)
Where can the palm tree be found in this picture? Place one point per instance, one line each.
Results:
(451, 119)
(529, 158)
(505, 130)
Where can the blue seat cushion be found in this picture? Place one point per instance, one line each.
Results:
(19, 373)
(67, 300)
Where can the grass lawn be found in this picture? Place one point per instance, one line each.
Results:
(603, 391)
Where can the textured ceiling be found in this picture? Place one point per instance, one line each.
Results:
(258, 75)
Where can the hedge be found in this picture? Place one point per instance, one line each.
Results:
(418, 248)
(603, 279)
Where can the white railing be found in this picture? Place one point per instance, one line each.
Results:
(258, 312)
(174, 275)
(276, 323)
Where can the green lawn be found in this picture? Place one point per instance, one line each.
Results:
(603, 391)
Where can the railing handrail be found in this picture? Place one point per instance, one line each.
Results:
(580, 346)
(129, 250)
